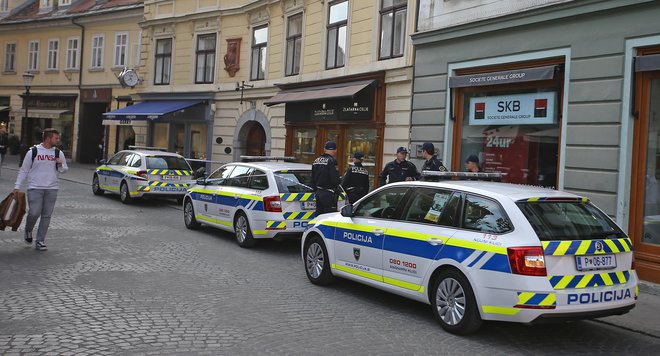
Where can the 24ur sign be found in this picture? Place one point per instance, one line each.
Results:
(517, 109)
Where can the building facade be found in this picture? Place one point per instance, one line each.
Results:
(556, 93)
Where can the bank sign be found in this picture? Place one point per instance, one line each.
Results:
(517, 109)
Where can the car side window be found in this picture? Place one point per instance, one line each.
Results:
(219, 176)
(239, 177)
(259, 180)
(426, 205)
(135, 161)
(482, 214)
(382, 204)
(448, 217)
(124, 161)
(114, 160)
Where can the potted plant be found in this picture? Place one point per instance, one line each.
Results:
(14, 144)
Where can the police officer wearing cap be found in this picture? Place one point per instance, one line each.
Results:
(356, 179)
(325, 179)
(431, 161)
(398, 170)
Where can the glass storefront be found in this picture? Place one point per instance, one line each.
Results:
(304, 145)
(198, 134)
(363, 140)
(651, 225)
(160, 134)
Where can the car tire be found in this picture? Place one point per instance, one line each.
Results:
(454, 304)
(317, 262)
(242, 231)
(189, 215)
(124, 193)
(96, 187)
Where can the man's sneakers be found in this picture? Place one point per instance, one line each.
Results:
(28, 237)
(40, 246)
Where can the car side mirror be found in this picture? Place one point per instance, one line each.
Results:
(347, 210)
(201, 181)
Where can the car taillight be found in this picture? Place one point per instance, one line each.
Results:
(528, 261)
(142, 174)
(273, 204)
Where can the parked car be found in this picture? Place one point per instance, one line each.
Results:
(140, 172)
(477, 251)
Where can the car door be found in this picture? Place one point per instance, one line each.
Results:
(208, 201)
(236, 191)
(359, 239)
(414, 240)
(115, 173)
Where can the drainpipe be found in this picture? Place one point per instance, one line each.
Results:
(80, 77)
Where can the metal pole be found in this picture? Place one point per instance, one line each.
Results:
(24, 133)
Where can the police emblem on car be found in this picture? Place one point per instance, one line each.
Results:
(599, 246)
(356, 253)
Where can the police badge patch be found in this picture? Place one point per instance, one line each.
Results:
(356, 253)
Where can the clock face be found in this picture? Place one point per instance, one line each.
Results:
(130, 78)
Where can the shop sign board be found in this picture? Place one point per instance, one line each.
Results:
(330, 110)
(515, 109)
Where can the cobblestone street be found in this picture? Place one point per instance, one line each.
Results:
(131, 279)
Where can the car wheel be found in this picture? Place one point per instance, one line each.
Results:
(317, 263)
(243, 232)
(96, 187)
(125, 194)
(454, 305)
(189, 216)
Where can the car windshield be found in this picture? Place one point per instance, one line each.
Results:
(167, 162)
(294, 181)
(564, 220)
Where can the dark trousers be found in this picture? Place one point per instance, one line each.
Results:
(326, 202)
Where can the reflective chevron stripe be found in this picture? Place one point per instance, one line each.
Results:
(299, 215)
(526, 299)
(170, 172)
(589, 280)
(586, 247)
(166, 184)
(288, 197)
(275, 225)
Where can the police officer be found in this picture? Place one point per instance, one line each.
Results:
(431, 161)
(472, 164)
(356, 179)
(325, 179)
(399, 169)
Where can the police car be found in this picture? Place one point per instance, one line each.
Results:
(269, 197)
(478, 251)
(143, 172)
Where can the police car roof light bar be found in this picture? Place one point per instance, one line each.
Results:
(147, 148)
(493, 176)
(267, 158)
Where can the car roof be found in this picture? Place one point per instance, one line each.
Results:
(154, 153)
(276, 165)
(510, 191)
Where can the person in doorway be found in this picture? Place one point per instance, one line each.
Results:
(325, 179)
(4, 144)
(472, 164)
(42, 171)
(129, 141)
(398, 170)
(356, 180)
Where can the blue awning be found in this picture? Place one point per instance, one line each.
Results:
(148, 110)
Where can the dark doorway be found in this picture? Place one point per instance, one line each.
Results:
(90, 134)
(256, 141)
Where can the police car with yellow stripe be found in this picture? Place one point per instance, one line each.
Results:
(143, 172)
(265, 197)
(478, 251)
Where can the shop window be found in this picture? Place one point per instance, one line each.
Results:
(198, 134)
(163, 61)
(336, 41)
(304, 145)
(293, 44)
(259, 47)
(161, 133)
(205, 67)
(392, 28)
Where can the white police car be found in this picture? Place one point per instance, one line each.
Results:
(143, 172)
(479, 251)
(266, 199)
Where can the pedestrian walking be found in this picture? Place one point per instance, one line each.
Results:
(356, 180)
(4, 143)
(325, 179)
(41, 167)
(398, 170)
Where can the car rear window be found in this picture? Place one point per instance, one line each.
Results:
(294, 181)
(167, 162)
(569, 221)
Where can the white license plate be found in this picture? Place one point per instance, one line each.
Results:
(172, 177)
(595, 262)
(308, 205)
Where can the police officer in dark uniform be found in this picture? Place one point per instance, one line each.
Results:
(431, 161)
(325, 179)
(356, 179)
(398, 170)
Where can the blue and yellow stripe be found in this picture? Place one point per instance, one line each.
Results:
(589, 280)
(586, 247)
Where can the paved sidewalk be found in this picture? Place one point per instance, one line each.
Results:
(643, 319)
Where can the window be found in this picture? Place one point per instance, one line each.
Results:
(33, 55)
(4, 5)
(167, 162)
(163, 61)
(217, 177)
(294, 181)
(259, 180)
(65, 2)
(428, 205)
(484, 215)
(97, 51)
(293, 45)
(116, 158)
(53, 54)
(259, 44)
(382, 204)
(392, 28)
(205, 59)
(121, 49)
(337, 21)
(239, 177)
(10, 57)
(72, 53)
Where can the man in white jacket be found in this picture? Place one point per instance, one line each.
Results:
(42, 171)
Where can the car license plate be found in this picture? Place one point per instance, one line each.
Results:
(308, 205)
(595, 262)
(171, 177)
